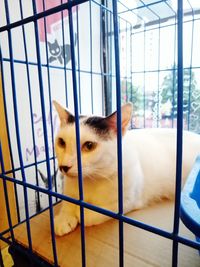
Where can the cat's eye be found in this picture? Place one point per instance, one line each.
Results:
(61, 142)
(89, 146)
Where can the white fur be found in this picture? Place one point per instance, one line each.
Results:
(149, 164)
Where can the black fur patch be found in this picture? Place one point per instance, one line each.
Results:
(71, 118)
(99, 124)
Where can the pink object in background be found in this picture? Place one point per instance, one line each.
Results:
(49, 19)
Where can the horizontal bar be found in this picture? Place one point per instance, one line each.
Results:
(53, 67)
(99, 73)
(106, 212)
(26, 166)
(43, 14)
(142, 6)
(160, 26)
(23, 221)
(163, 70)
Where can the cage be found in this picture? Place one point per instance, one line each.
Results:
(91, 56)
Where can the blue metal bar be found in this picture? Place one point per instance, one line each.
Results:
(190, 82)
(143, 6)
(6, 196)
(110, 70)
(30, 100)
(131, 69)
(50, 98)
(57, 67)
(91, 57)
(109, 213)
(27, 166)
(43, 14)
(103, 65)
(179, 133)
(8, 134)
(144, 77)
(130, 10)
(78, 59)
(126, 64)
(14, 98)
(78, 145)
(148, 8)
(163, 26)
(96, 73)
(42, 101)
(158, 89)
(119, 132)
(165, 70)
(64, 51)
(174, 73)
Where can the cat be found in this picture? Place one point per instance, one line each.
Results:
(149, 164)
(60, 52)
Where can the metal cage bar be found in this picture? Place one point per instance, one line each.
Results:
(78, 145)
(179, 143)
(111, 39)
(42, 102)
(17, 126)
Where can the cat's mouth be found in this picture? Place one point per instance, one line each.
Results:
(70, 174)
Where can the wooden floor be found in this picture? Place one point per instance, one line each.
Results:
(141, 249)
(7, 259)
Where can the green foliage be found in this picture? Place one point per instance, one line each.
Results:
(191, 97)
(130, 93)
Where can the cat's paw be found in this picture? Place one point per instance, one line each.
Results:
(64, 224)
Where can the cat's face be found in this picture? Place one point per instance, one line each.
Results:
(54, 48)
(98, 142)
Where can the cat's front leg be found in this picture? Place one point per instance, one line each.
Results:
(95, 218)
(65, 221)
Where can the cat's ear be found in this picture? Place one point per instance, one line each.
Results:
(126, 114)
(64, 115)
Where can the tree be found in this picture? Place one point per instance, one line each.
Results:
(131, 93)
(191, 97)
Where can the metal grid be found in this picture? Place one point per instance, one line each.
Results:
(117, 21)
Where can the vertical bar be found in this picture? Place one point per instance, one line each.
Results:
(14, 96)
(8, 133)
(64, 51)
(42, 101)
(158, 92)
(78, 58)
(30, 104)
(127, 85)
(91, 58)
(144, 122)
(110, 70)
(131, 68)
(179, 134)
(119, 132)
(6, 196)
(78, 145)
(50, 100)
(190, 83)
(109, 47)
(174, 73)
(103, 51)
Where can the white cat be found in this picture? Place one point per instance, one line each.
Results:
(149, 164)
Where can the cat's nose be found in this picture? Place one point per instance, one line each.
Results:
(64, 168)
